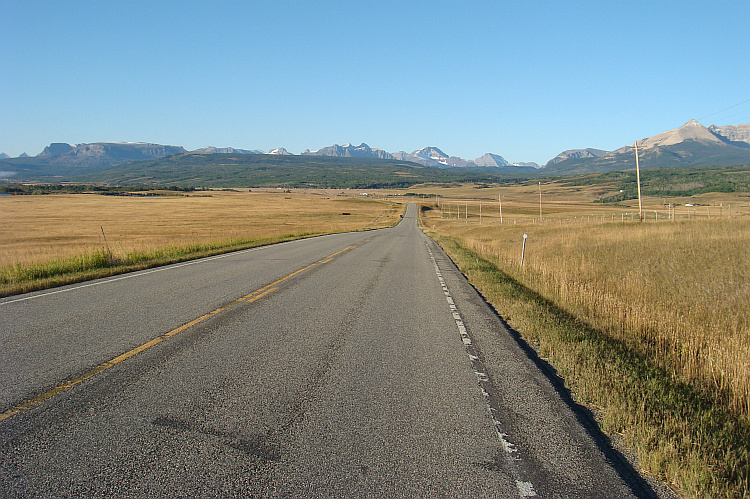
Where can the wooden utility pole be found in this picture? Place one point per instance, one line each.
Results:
(500, 200)
(540, 202)
(638, 180)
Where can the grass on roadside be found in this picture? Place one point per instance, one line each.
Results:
(61, 239)
(22, 278)
(682, 432)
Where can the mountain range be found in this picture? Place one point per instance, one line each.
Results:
(427, 156)
(232, 150)
(103, 154)
(692, 144)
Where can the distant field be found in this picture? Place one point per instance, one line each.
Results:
(649, 323)
(563, 201)
(68, 233)
(36, 228)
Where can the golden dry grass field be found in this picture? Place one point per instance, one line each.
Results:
(562, 203)
(681, 290)
(50, 240)
(35, 229)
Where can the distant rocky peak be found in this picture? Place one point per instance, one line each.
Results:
(350, 151)
(575, 154)
(226, 150)
(280, 151)
(692, 130)
(432, 153)
(732, 133)
(56, 148)
(490, 159)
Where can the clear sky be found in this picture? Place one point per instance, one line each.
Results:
(522, 79)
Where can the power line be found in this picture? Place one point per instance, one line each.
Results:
(738, 113)
(727, 109)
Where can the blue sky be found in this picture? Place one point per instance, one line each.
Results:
(525, 80)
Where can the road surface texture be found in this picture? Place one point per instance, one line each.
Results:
(351, 365)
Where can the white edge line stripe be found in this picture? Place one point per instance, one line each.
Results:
(525, 489)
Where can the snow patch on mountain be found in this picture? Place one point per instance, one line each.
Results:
(226, 150)
(280, 151)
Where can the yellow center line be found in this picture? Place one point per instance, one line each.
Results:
(258, 297)
(250, 298)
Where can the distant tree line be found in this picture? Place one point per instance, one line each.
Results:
(111, 190)
(671, 182)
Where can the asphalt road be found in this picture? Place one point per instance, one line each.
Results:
(352, 365)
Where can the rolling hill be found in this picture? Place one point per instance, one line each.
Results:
(267, 170)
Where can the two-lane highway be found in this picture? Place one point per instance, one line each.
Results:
(353, 365)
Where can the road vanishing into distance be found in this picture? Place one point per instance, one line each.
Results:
(349, 365)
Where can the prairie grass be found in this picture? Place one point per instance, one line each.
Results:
(650, 323)
(56, 239)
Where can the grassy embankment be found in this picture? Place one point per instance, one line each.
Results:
(649, 323)
(52, 240)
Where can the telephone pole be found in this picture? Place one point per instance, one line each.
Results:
(638, 180)
(540, 202)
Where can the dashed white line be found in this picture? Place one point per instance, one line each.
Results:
(525, 488)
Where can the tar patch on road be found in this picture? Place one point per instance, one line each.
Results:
(256, 445)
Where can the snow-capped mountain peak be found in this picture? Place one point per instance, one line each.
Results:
(280, 151)
(433, 153)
